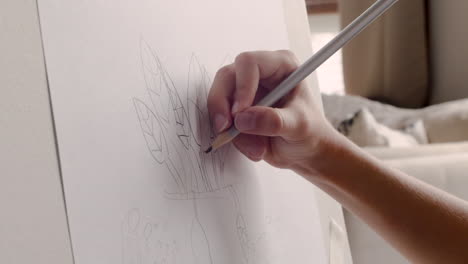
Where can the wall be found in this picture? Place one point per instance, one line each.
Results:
(449, 47)
(33, 225)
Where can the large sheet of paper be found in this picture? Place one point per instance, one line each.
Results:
(128, 82)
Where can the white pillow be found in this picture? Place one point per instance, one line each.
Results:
(365, 131)
(418, 131)
(447, 122)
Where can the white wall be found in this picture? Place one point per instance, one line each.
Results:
(449, 49)
(33, 224)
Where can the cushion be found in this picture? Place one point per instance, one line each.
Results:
(364, 130)
(447, 122)
(421, 151)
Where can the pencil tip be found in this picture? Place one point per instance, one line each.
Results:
(209, 150)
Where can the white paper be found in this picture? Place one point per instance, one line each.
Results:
(128, 81)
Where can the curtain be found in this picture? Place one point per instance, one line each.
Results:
(388, 61)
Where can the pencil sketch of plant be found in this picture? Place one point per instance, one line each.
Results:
(177, 129)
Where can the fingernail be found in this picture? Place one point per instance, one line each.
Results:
(245, 121)
(235, 107)
(220, 123)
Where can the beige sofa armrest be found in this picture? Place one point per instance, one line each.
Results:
(384, 153)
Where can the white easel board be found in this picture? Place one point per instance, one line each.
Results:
(128, 83)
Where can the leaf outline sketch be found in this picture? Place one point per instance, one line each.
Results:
(177, 129)
(187, 115)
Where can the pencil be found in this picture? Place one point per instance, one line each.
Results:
(346, 35)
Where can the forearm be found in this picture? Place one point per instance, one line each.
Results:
(423, 223)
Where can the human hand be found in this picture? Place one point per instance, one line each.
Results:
(289, 134)
(294, 134)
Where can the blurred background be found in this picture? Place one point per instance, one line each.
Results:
(415, 55)
(324, 24)
(399, 90)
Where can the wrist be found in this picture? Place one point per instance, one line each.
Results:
(331, 156)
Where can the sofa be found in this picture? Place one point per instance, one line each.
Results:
(439, 157)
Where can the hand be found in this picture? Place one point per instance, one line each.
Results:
(288, 135)
(293, 134)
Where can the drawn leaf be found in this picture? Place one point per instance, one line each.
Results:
(152, 131)
(179, 115)
(177, 126)
(154, 78)
(195, 87)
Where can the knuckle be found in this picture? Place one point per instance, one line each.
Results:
(276, 122)
(290, 57)
(245, 58)
(225, 71)
(287, 53)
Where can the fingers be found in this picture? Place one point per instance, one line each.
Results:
(252, 146)
(253, 67)
(235, 86)
(266, 121)
(220, 97)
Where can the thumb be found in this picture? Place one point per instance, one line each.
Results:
(265, 121)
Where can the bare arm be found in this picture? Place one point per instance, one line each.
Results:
(425, 224)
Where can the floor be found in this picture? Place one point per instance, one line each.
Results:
(323, 27)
